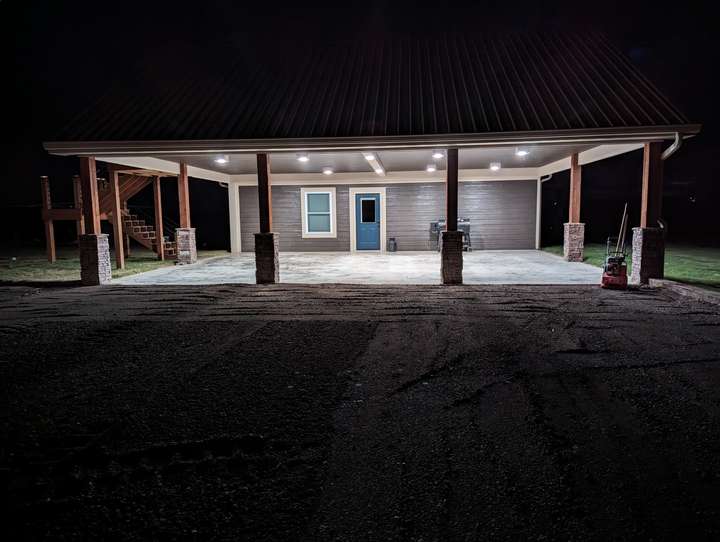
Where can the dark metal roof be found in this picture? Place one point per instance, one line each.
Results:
(454, 84)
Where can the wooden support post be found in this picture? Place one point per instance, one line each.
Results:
(77, 199)
(451, 191)
(114, 179)
(652, 185)
(264, 193)
(234, 214)
(91, 205)
(184, 197)
(575, 188)
(157, 200)
(49, 227)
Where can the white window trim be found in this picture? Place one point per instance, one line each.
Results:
(353, 227)
(333, 214)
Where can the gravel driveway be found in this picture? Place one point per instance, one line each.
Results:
(360, 413)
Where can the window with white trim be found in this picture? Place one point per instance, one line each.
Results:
(318, 212)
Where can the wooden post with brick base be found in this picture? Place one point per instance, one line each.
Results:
(451, 261)
(94, 248)
(267, 261)
(185, 235)
(648, 243)
(574, 230)
(49, 227)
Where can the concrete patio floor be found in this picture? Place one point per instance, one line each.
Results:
(480, 267)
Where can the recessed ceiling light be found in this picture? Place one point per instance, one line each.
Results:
(303, 157)
(327, 171)
(521, 152)
(369, 156)
(222, 160)
(379, 170)
(495, 166)
(430, 168)
(438, 155)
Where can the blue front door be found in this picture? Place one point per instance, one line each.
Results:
(367, 221)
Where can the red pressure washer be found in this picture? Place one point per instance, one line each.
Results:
(614, 274)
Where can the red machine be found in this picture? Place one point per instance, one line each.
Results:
(615, 269)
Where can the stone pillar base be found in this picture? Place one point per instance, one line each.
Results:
(648, 255)
(186, 248)
(267, 263)
(95, 266)
(574, 241)
(451, 263)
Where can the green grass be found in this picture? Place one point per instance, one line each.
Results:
(699, 266)
(32, 265)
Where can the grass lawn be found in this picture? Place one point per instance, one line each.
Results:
(695, 265)
(32, 265)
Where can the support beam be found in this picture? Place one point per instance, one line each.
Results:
(451, 257)
(119, 242)
(77, 199)
(234, 213)
(538, 214)
(89, 189)
(264, 193)
(648, 256)
(267, 262)
(157, 201)
(652, 185)
(575, 189)
(451, 190)
(49, 227)
(184, 197)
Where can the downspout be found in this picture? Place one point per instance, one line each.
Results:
(546, 178)
(672, 149)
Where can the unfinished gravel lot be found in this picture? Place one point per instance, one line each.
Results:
(360, 413)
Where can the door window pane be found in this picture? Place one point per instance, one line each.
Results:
(318, 223)
(318, 203)
(367, 210)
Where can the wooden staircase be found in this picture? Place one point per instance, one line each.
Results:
(146, 235)
(134, 226)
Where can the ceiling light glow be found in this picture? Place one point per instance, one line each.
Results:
(431, 168)
(438, 155)
(327, 171)
(379, 170)
(303, 157)
(521, 152)
(369, 156)
(222, 160)
(495, 166)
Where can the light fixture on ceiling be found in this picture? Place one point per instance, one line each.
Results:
(369, 156)
(431, 168)
(327, 171)
(303, 157)
(495, 166)
(521, 152)
(379, 170)
(222, 160)
(438, 155)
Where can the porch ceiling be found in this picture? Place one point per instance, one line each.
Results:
(392, 160)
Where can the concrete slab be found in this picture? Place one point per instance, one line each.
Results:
(480, 267)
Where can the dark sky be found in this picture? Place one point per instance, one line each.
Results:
(59, 56)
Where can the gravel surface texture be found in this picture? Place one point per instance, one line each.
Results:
(360, 413)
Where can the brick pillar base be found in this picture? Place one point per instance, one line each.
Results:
(574, 241)
(186, 248)
(648, 255)
(95, 266)
(451, 263)
(267, 263)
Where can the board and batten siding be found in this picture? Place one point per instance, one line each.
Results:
(287, 220)
(501, 213)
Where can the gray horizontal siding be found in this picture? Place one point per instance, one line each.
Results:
(501, 213)
(287, 220)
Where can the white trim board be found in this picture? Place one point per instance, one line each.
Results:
(383, 216)
(305, 234)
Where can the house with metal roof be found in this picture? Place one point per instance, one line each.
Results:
(400, 144)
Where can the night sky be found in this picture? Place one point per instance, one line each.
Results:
(60, 56)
